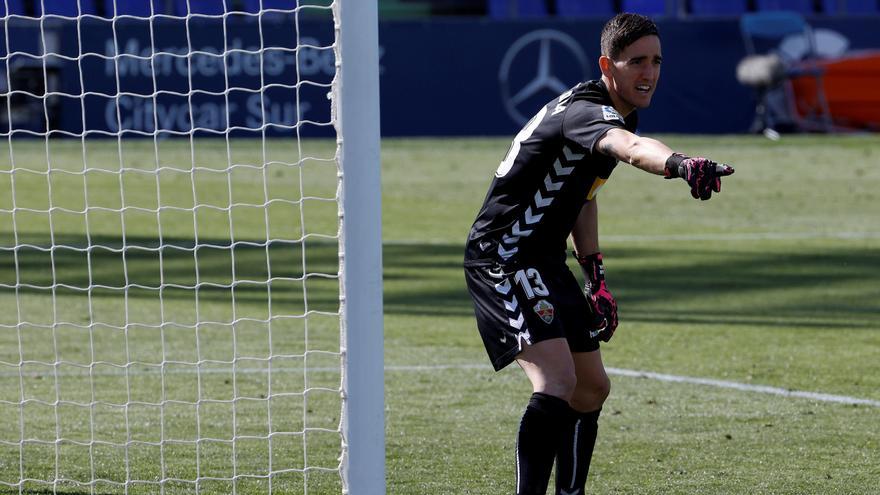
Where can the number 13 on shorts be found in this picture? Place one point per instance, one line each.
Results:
(530, 281)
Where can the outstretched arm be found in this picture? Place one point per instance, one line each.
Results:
(651, 155)
(645, 153)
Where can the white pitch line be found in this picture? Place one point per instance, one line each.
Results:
(663, 377)
(745, 387)
(745, 236)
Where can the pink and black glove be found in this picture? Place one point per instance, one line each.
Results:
(599, 297)
(702, 174)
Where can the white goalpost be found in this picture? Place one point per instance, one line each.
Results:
(363, 431)
(190, 247)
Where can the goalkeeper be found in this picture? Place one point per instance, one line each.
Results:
(529, 306)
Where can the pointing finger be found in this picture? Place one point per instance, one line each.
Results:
(722, 169)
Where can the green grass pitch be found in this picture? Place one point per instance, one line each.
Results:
(773, 282)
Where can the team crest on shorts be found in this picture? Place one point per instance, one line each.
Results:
(545, 310)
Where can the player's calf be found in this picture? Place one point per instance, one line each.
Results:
(545, 420)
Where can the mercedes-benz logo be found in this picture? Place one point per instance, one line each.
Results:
(550, 69)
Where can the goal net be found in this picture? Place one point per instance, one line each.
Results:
(175, 294)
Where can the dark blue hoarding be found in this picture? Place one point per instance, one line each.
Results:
(174, 77)
(462, 76)
(467, 77)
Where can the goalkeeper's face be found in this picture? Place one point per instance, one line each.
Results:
(633, 74)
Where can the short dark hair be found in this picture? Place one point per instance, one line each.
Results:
(623, 30)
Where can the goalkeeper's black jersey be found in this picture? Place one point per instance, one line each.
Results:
(551, 169)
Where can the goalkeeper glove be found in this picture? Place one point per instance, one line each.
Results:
(601, 301)
(702, 174)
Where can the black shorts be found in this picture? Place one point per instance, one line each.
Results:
(528, 304)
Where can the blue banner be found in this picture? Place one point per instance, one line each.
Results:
(173, 77)
(459, 77)
(453, 77)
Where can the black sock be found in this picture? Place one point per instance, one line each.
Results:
(537, 441)
(575, 452)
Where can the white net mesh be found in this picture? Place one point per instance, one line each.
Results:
(169, 289)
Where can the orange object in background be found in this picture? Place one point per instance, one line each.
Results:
(852, 90)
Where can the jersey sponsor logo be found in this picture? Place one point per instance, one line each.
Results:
(552, 56)
(545, 311)
(610, 113)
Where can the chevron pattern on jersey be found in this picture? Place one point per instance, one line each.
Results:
(514, 315)
(544, 197)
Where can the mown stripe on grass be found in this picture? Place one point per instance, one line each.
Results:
(734, 236)
(663, 377)
(744, 387)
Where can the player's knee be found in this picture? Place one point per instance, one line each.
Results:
(560, 385)
(602, 388)
(591, 394)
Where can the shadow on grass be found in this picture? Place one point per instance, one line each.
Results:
(248, 270)
(810, 287)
